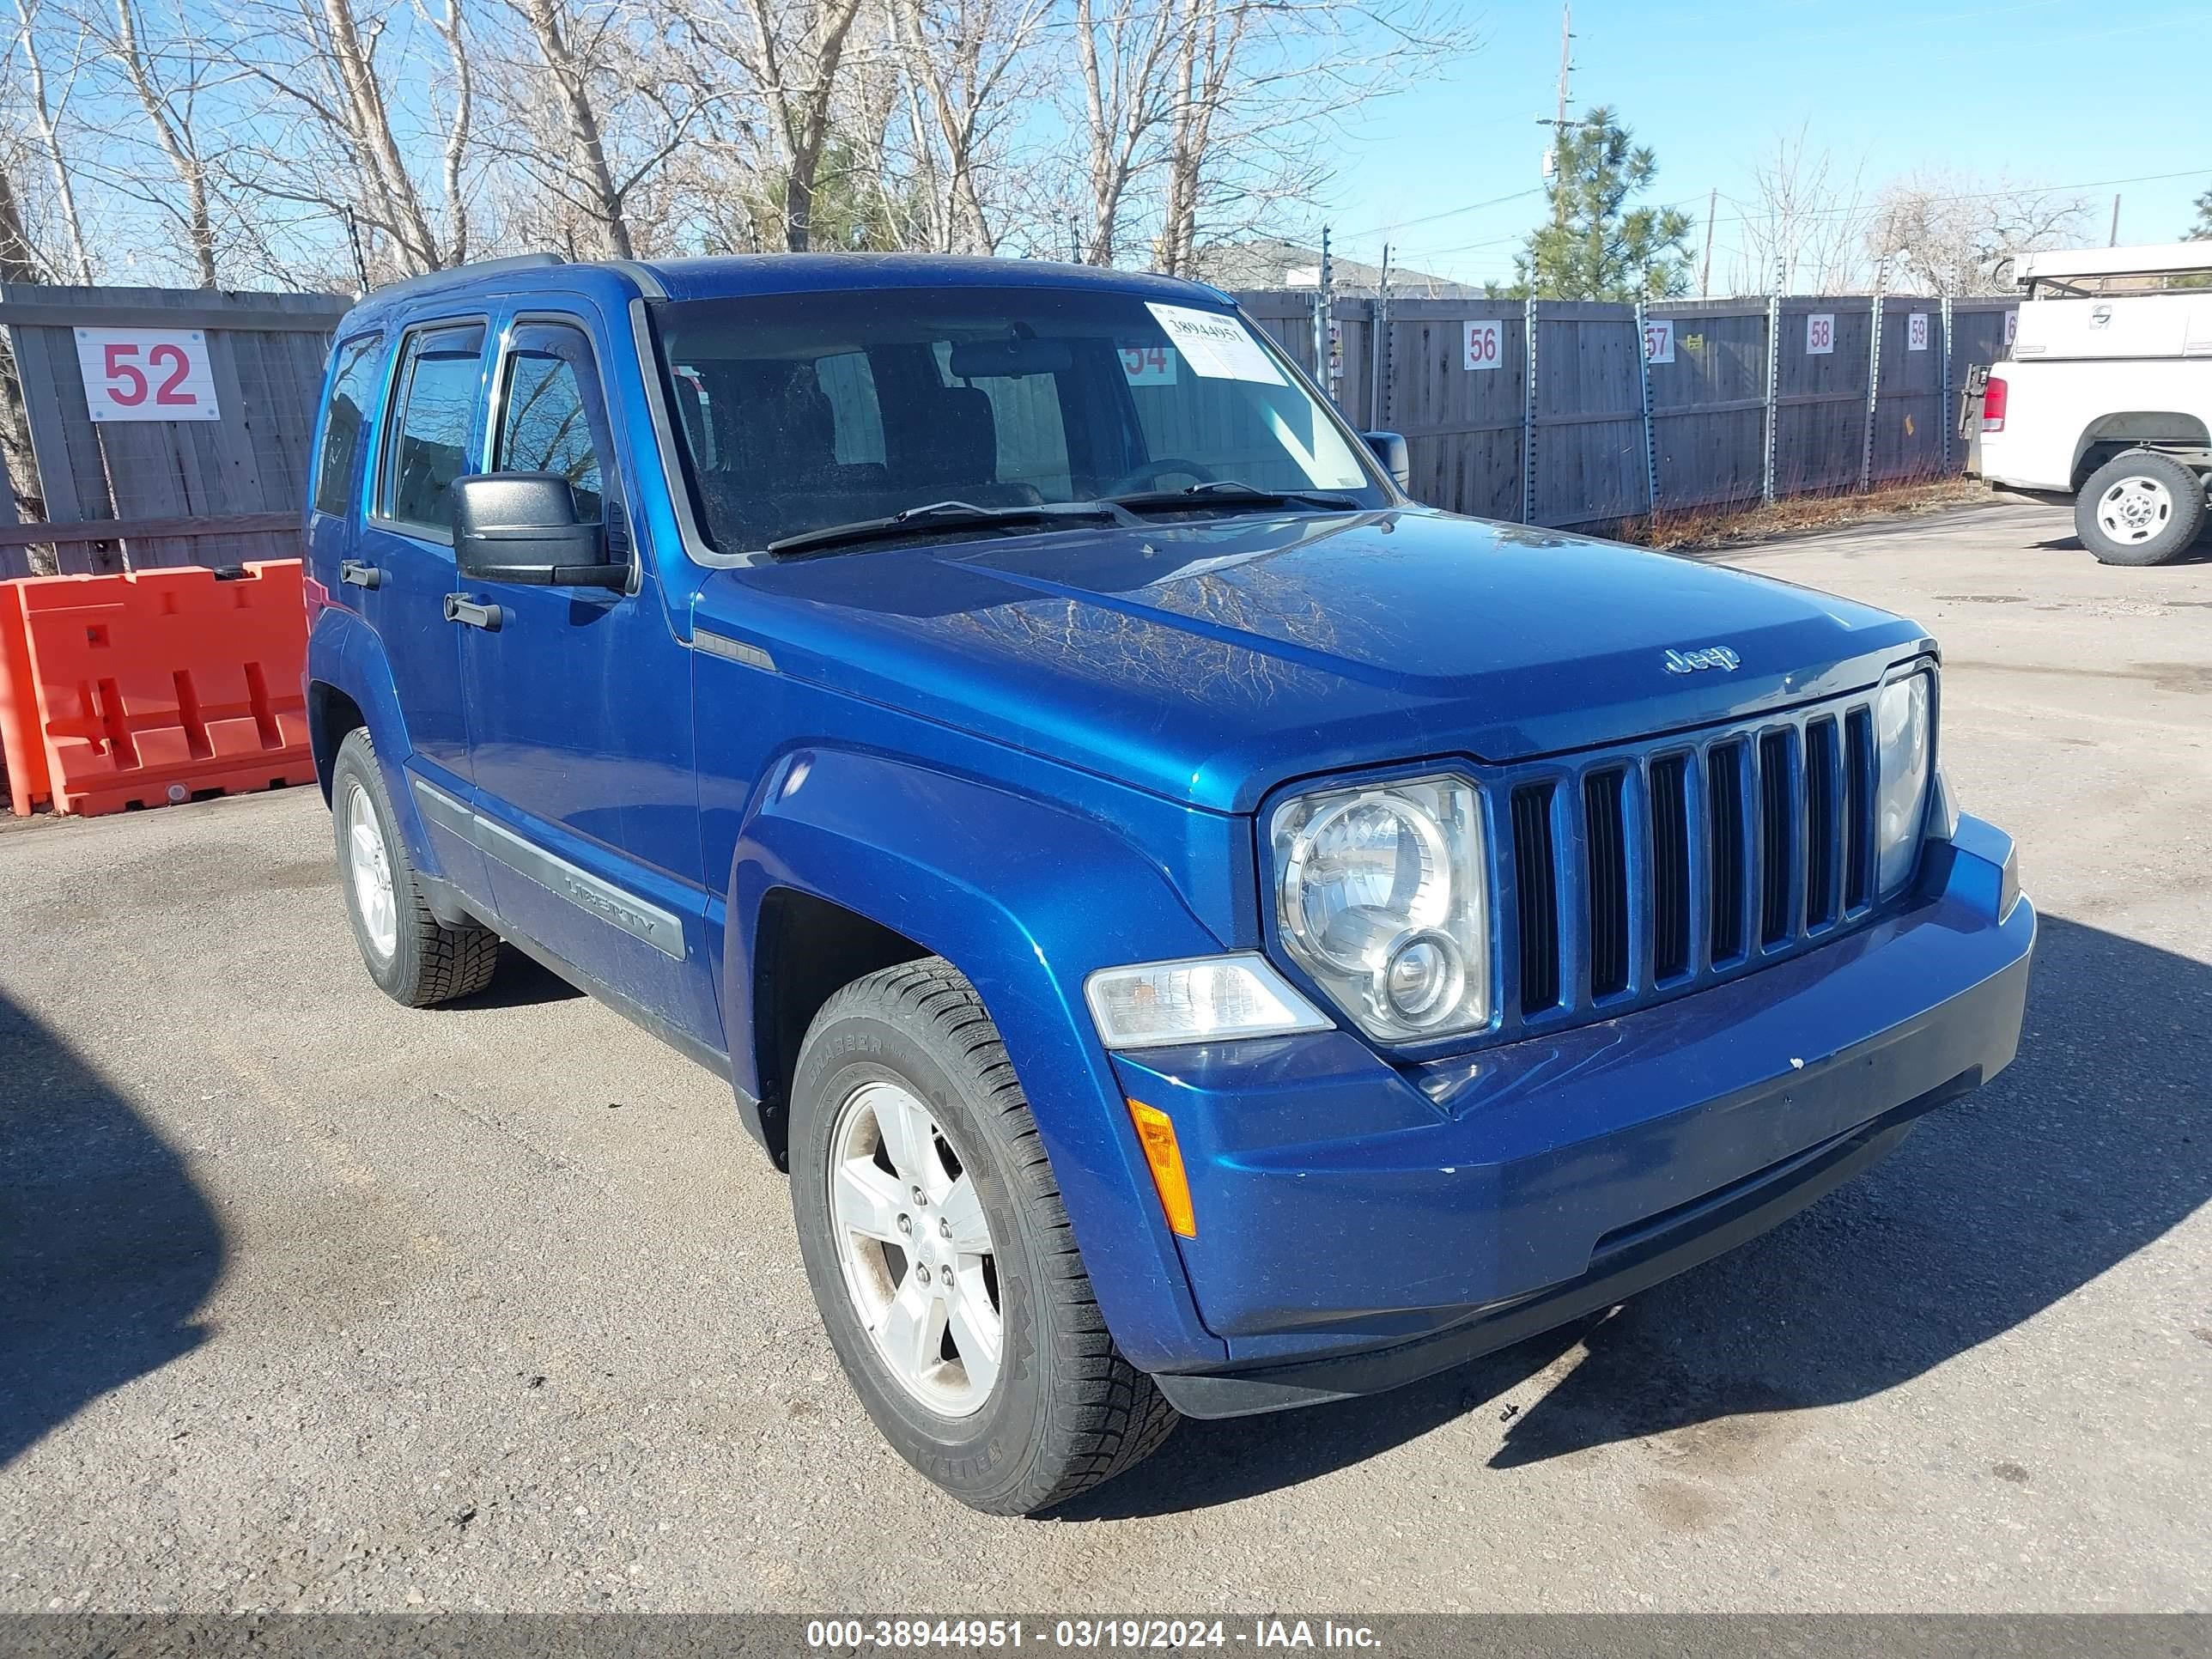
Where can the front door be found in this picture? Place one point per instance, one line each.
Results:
(579, 715)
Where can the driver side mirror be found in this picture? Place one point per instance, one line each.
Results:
(1397, 460)
(521, 527)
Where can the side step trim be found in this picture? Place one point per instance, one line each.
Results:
(661, 929)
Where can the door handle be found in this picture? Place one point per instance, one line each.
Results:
(458, 610)
(358, 574)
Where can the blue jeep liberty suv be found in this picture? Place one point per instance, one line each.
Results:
(1204, 934)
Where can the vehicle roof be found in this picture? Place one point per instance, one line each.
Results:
(739, 275)
(2144, 259)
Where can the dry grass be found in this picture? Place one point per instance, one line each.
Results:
(1695, 529)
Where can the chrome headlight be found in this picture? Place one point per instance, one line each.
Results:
(1903, 747)
(1382, 896)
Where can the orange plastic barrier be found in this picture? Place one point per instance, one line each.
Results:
(150, 688)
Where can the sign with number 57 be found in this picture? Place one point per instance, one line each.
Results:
(147, 374)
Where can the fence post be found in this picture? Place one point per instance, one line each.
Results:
(1378, 355)
(1773, 380)
(1874, 390)
(1529, 410)
(1643, 376)
(1945, 413)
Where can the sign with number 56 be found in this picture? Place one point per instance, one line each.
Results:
(1485, 344)
(147, 374)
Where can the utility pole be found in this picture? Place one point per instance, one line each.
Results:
(1554, 161)
(2115, 242)
(1705, 273)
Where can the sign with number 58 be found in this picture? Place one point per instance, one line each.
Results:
(147, 374)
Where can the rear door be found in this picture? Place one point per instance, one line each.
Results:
(580, 712)
(405, 547)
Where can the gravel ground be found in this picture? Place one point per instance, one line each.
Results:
(496, 1307)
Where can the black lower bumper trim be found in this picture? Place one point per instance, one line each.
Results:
(1630, 1260)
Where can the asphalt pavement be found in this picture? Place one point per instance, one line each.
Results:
(308, 1301)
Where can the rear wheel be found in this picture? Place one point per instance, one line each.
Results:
(414, 958)
(2140, 508)
(940, 1255)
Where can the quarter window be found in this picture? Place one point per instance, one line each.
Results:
(438, 380)
(551, 417)
(353, 389)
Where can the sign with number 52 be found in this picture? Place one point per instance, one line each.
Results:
(147, 374)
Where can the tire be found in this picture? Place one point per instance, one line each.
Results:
(415, 959)
(1061, 1411)
(2140, 508)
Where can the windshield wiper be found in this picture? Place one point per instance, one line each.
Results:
(937, 516)
(1227, 492)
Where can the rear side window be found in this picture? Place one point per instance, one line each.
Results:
(434, 410)
(551, 418)
(353, 390)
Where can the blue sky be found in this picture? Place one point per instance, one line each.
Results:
(2040, 92)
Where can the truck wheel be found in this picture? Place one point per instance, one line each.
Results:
(2140, 508)
(941, 1257)
(414, 958)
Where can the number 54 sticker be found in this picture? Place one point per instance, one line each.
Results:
(147, 374)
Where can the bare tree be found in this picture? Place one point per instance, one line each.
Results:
(619, 114)
(327, 136)
(1125, 53)
(963, 63)
(44, 116)
(1946, 233)
(1803, 230)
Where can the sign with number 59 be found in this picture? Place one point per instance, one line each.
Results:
(147, 374)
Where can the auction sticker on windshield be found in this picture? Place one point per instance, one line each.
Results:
(1216, 347)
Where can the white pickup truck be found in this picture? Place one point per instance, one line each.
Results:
(2106, 401)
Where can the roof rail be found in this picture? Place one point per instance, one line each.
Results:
(457, 273)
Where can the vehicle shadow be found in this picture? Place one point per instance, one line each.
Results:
(522, 982)
(108, 1248)
(2095, 1143)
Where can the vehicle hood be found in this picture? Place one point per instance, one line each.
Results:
(1208, 662)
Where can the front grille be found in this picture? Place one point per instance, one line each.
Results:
(1637, 875)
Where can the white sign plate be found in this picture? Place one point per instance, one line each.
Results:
(1216, 346)
(147, 374)
(1658, 339)
(1484, 345)
(1819, 333)
(1915, 331)
(2012, 328)
(1148, 365)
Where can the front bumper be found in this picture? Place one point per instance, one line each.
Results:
(1362, 1225)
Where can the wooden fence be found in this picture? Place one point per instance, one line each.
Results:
(1741, 404)
(145, 493)
(1568, 423)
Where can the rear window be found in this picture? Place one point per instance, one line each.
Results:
(435, 411)
(353, 390)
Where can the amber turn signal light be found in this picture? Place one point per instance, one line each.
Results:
(1156, 1133)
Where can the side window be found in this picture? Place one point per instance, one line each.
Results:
(353, 390)
(432, 411)
(551, 415)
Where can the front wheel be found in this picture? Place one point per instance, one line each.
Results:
(2140, 508)
(940, 1255)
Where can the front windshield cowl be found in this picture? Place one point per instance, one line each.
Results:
(826, 410)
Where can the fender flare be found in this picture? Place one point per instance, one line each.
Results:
(1025, 897)
(344, 653)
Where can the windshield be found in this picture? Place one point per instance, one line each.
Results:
(801, 411)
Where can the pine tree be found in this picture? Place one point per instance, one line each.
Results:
(1594, 246)
(2201, 231)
